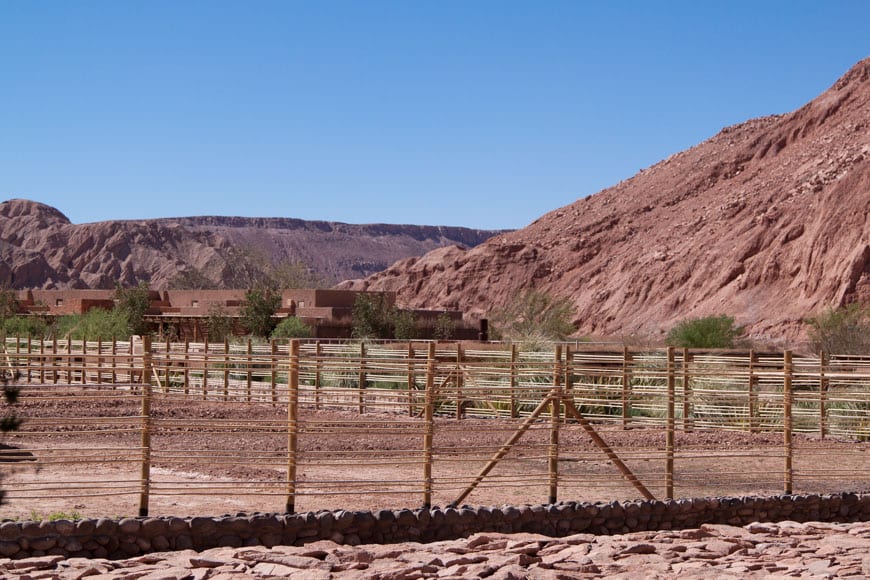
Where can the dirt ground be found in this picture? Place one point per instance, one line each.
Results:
(211, 458)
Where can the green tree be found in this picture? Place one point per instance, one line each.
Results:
(535, 316)
(9, 304)
(259, 309)
(844, 330)
(291, 327)
(219, 323)
(372, 316)
(132, 304)
(705, 332)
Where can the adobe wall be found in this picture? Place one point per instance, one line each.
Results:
(107, 538)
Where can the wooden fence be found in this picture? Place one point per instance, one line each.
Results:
(316, 424)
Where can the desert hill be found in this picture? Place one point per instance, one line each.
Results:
(40, 248)
(768, 221)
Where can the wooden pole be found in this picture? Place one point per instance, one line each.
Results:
(361, 380)
(205, 369)
(54, 359)
(318, 366)
(100, 360)
(249, 362)
(823, 395)
(145, 479)
(787, 421)
(273, 363)
(411, 379)
(429, 432)
(459, 381)
(626, 387)
(669, 431)
(186, 366)
(226, 368)
(292, 425)
(513, 382)
(27, 363)
(42, 361)
(167, 361)
(753, 394)
(114, 362)
(688, 420)
(553, 448)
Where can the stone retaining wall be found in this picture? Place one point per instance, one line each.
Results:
(107, 538)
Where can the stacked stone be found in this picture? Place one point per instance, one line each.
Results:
(759, 550)
(125, 538)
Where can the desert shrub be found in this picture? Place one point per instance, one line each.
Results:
(533, 317)
(843, 330)
(96, 323)
(404, 325)
(26, 326)
(291, 327)
(444, 327)
(705, 332)
(259, 309)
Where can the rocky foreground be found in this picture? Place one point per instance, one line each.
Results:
(758, 550)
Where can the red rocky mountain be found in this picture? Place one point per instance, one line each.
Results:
(40, 248)
(768, 221)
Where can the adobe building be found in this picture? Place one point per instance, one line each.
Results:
(183, 314)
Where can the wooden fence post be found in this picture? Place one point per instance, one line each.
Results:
(626, 387)
(168, 362)
(292, 425)
(145, 479)
(186, 367)
(249, 362)
(226, 368)
(205, 369)
(273, 379)
(29, 360)
(513, 383)
(361, 379)
(753, 394)
(459, 381)
(669, 429)
(42, 361)
(823, 395)
(688, 419)
(114, 363)
(429, 432)
(318, 366)
(411, 379)
(787, 421)
(553, 448)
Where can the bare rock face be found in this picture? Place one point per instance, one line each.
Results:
(40, 248)
(768, 221)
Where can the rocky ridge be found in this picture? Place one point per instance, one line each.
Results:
(41, 248)
(758, 550)
(768, 221)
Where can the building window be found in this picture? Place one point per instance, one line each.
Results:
(58, 302)
(195, 303)
(301, 304)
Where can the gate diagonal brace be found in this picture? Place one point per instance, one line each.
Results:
(555, 396)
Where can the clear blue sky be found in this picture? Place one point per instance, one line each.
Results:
(457, 112)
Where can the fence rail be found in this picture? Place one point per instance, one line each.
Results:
(326, 423)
